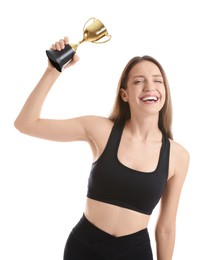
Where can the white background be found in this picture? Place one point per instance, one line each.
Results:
(42, 183)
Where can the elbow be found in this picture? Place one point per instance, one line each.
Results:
(165, 234)
(18, 125)
(21, 126)
(167, 229)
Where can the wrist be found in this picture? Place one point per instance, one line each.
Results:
(52, 70)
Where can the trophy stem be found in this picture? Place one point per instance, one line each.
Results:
(75, 46)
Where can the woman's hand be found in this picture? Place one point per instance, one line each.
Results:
(60, 45)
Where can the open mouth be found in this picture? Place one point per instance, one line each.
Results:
(149, 99)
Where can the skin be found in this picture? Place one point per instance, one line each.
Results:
(139, 148)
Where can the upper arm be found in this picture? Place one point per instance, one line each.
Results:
(75, 129)
(170, 200)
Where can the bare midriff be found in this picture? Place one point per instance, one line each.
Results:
(113, 219)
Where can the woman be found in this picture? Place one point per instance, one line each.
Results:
(136, 163)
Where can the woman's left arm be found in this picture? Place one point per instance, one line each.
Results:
(166, 224)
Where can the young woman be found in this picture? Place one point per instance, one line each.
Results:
(136, 163)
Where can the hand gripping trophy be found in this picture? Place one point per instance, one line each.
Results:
(92, 33)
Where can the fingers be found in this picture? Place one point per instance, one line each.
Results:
(66, 40)
(73, 61)
(60, 45)
(75, 57)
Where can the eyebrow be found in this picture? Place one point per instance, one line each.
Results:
(142, 76)
(157, 75)
(138, 76)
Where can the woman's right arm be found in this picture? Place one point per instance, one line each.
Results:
(29, 121)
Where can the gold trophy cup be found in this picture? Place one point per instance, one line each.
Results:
(91, 33)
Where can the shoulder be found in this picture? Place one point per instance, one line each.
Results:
(178, 150)
(95, 124)
(179, 157)
(97, 130)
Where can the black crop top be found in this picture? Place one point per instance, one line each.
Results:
(112, 182)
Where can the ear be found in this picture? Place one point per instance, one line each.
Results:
(123, 95)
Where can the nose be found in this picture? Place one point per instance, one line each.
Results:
(148, 86)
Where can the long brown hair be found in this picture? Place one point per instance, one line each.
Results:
(121, 110)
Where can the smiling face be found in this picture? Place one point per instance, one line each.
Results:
(145, 92)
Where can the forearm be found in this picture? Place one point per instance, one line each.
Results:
(165, 245)
(31, 110)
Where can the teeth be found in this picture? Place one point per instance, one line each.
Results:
(151, 98)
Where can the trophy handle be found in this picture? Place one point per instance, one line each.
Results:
(92, 18)
(97, 42)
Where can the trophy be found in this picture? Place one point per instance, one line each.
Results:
(91, 33)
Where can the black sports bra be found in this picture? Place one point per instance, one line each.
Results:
(112, 182)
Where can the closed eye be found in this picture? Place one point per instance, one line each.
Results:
(136, 82)
(158, 81)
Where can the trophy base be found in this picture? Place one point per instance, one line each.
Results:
(59, 58)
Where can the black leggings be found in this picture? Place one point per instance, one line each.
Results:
(87, 242)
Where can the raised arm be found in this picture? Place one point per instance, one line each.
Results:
(29, 121)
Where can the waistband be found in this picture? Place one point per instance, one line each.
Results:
(107, 244)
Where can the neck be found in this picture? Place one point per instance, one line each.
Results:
(144, 127)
